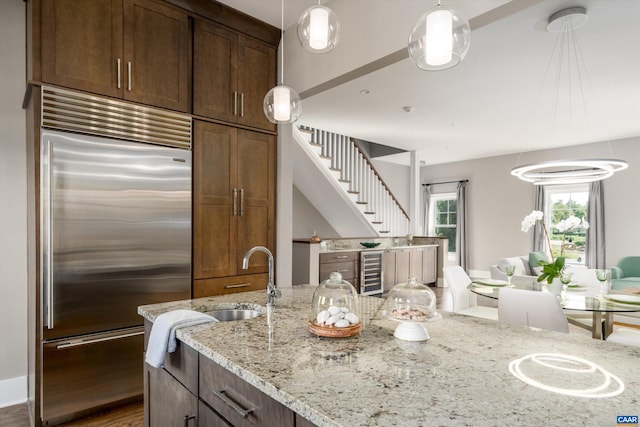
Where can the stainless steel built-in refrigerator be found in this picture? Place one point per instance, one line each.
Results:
(115, 234)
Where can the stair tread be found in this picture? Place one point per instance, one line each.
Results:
(353, 192)
(305, 130)
(385, 231)
(361, 203)
(369, 213)
(335, 169)
(376, 222)
(344, 180)
(315, 144)
(322, 156)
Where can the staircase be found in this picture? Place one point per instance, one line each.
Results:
(342, 161)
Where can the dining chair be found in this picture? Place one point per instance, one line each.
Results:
(463, 300)
(625, 336)
(531, 308)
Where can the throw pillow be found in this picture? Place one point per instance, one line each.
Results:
(516, 262)
(534, 261)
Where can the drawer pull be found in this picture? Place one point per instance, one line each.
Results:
(222, 394)
(188, 418)
(240, 285)
(341, 257)
(344, 271)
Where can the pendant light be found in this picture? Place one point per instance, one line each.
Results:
(318, 29)
(572, 171)
(282, 104)
(440, 39)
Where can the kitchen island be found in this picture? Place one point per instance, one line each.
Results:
(461, 376)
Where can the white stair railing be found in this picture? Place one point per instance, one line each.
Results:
(346, 162)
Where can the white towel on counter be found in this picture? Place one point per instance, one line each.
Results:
(162, 339)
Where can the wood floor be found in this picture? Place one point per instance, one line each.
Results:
(131, 415)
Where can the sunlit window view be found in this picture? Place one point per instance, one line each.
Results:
(567, 221)
(444, 218)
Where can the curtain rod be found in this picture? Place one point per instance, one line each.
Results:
(445, 182)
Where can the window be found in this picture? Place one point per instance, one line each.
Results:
(442, 217)
(561, 203)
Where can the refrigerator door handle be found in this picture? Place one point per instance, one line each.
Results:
(242, 202)
(79, 342)
(48, 231)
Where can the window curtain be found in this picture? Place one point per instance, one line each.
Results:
(427, 203)
(595, 247)
(539, 239)
(462, 252)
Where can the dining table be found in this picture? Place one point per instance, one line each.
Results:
(574, 297)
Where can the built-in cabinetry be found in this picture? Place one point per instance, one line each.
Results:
(234, 207)
(345, 263)
(192, 390)
(399, 264)
(232, 74)
(138, 50)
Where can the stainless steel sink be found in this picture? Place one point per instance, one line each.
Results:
(228, 315)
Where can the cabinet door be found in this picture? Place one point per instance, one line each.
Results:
(157, 47)
(81, 45)
(214, 181)
(256, 192)
(169, 404)
(256, 76)
(429, 263)
(403, 265)
(389, 270)
(415, 268)
(215, 52)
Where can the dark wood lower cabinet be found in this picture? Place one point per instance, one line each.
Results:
(167, 402)
(192, 390)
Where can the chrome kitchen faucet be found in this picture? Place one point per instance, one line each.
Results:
(272, 290)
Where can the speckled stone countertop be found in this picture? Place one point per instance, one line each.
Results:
(460, 376)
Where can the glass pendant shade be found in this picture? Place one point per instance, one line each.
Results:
(282, 105)
(439, 40)
(318, 29)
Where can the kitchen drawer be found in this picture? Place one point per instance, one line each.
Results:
(339, 257)
(229, 396)
(230, 285)
(349, 270)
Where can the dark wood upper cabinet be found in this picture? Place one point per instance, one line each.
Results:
(232, 74)
(138, 50)
(157, 51)
(82, 44)
(234, 199)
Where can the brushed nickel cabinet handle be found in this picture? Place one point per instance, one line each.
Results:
(119, 74)
(235, 102)
(341, 257)
(242, 202)
(235, 201)
(129, 76)
(97, 340)
(240, 285)
(222, 394)
(49, 243)
(188, 418)
(242, 104)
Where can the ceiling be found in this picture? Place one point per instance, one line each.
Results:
(507, 96)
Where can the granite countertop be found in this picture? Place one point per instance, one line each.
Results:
(378, 248)
(460, 376)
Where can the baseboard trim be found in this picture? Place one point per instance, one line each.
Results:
(13, 391)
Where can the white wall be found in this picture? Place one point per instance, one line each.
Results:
(307, 219)
(13, 206)
(397, 178)
(498, 202)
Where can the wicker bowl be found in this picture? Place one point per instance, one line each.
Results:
(332, 332)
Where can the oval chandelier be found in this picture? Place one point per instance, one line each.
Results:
(572, 171)
(577, 171)
(318, 29)
(439, 40)
(282, 105)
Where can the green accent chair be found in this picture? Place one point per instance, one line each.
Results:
(626, 274)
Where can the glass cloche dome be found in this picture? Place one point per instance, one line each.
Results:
(411, 303)
(334, 309)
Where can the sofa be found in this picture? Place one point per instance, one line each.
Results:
(626, 274)
(526, 267)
